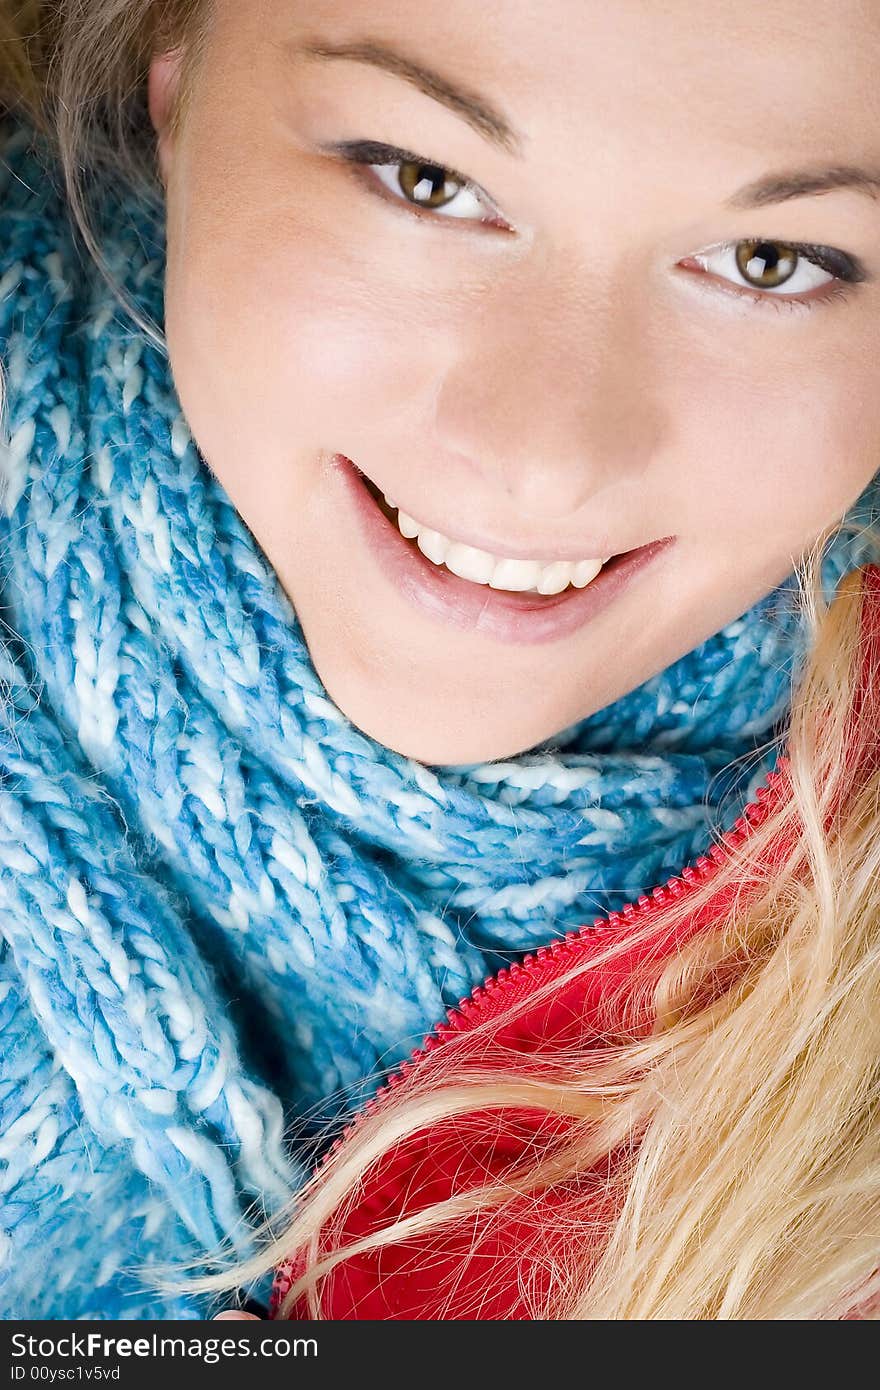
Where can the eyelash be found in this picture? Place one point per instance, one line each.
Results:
(847, 274)
(362, 153)
(365, 152)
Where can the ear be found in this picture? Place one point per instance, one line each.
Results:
(162, 84)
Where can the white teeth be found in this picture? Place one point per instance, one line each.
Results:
(585, 570)
(407, 526)
(515, 574)
(481, 567)
(555, 577)
(432, 544)
(469, 563)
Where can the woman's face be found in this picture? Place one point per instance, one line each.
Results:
(568, 322)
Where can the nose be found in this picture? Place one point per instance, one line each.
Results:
(549, 397)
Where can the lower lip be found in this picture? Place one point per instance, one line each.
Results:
(510, 617)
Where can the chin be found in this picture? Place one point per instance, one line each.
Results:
(445, 740)
(431, 726)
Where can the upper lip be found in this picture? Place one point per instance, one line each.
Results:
(581, 549)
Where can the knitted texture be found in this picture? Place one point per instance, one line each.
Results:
(222, 907)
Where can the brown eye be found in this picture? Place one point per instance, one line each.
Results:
(427, 185)
(766, 264)
(779, 270)
(415, 182)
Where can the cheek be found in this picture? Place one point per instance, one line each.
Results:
(272, 341)
(777, 451)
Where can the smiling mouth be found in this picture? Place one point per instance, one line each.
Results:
(517, 615)
(557, 579)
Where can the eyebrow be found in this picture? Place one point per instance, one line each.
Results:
(489, 122)
(486, 119)
(780, 188)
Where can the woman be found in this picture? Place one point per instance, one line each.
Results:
(432, 595)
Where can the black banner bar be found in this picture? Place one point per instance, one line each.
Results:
(144, 1355)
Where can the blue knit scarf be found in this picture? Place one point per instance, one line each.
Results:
(222, 907)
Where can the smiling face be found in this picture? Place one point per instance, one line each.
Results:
(556, 329)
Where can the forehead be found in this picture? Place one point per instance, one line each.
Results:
(770, 76)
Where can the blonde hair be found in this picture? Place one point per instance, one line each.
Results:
(740, 1103)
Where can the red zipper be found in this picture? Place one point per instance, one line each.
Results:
(491, 998)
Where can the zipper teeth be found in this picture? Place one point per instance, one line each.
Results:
(487, 995)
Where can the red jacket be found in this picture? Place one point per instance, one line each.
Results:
(486, 1267)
